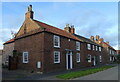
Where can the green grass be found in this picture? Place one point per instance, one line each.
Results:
(72, 75)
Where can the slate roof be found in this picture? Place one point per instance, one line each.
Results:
(86, 39)
(108, 45)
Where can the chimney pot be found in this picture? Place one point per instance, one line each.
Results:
(92, 38)
(107, 42)
(29, 13)
(67, 28)
(72, 29)
(97, 37)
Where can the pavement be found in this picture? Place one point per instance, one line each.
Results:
(24, 75)
(14, 74)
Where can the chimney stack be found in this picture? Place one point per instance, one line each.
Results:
(92, 38)
(29, 13)
(67, 28)
(97, 37)
(72, 29)
(107, 42)
(101, 39)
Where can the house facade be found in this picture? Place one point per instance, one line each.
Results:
(45, 48)
(117, 52)
(1, 52)
(109, 52)
(7, 51)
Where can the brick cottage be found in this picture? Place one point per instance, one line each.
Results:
(44, 48)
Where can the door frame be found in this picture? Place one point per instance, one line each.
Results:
(71, 63)
(94, 63)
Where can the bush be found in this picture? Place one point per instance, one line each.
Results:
(4, 66)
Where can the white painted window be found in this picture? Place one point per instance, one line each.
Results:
(77, 45)
(100, 49)
(110, 58)
(56, 41)
(110, 51)
(78, 57)
(96, 48)
(25, 57)
(89, 46)
(93, 47)
(56, 57)
(99, 41)
(38, 64)
(89, 58)
(100, 57)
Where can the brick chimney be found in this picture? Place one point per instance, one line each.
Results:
(107, 42)
(29, 13)
(97, 37)
(92, 38)
(67, 28)
(101, 39)
(72, 29)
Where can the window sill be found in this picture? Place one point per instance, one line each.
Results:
(78, 62)
(25, 63)
(56, 63)
(56, 47)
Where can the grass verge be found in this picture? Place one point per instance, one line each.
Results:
(72, 75)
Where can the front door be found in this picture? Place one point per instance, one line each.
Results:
(69, 60)
(94, 60)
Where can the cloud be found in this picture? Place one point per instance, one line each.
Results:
(93, 22)
(87, 21)
(5, 35)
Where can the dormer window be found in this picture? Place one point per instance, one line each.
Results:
(56, 41)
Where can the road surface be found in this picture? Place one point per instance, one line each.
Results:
(109, 74)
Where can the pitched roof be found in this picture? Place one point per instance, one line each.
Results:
(108, 45)
(9, 41)
(85, 39)
(56, 30)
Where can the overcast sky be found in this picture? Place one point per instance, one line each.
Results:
(89, 18)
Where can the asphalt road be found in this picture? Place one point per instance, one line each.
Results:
(109, 74)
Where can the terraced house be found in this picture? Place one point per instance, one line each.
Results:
(45, 48)
(109, 52)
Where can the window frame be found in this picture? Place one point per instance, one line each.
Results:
(58, 41)
(88, 46)
(100, 58)
(90, 59)
(93, 47)
(24, 57)
(77, 46)
(96, 48)
(78, 59)
(58, 57)
(100, 48)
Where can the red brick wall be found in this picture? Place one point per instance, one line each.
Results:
(40, 48)
(34, 45)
